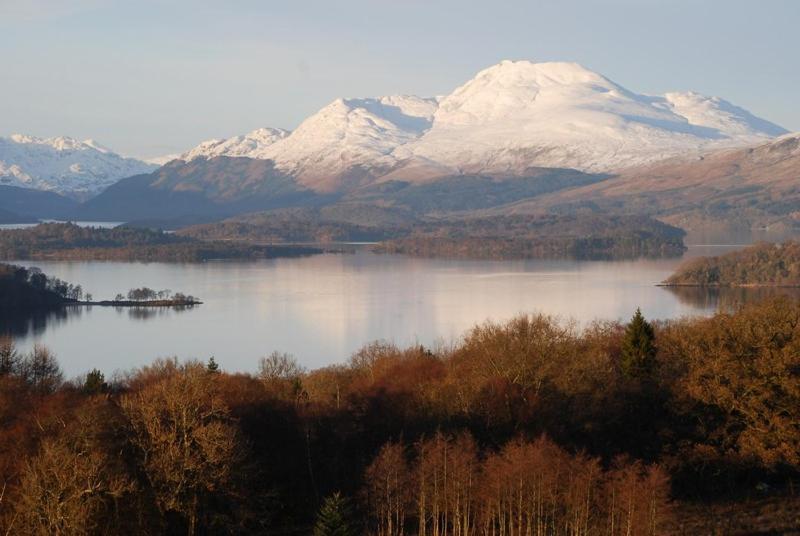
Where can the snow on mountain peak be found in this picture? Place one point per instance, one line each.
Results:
(62, 164)
(251, 144)
(516, 115)
(508, 118)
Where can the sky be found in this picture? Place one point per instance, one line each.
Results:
(149, 78)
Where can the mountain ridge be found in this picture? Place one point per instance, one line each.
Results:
(510, 117)
(64, 165)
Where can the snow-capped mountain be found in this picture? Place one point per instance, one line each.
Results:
(63, 165)
(509, 118)
(251, 145)
(515, 115)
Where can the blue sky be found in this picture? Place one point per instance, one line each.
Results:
(154, 77)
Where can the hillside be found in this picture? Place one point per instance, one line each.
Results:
(6, 216)
(221, 187)
(32, 204)
(759, 265)
(217, 187)
(751, 188)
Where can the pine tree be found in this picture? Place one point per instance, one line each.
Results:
(212, 366)
(334, 517)
(638, 346)
(95, 383)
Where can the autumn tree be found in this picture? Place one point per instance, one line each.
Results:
(281, 374)
(40, 369)
(188, 444)
(76, 483)
(389, 490)
(739, 382)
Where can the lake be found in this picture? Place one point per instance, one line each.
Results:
(322, 308)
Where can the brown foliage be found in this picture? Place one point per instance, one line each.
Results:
(738, 376)
(188, 445)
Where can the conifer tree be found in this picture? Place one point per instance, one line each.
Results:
(95, 383)
(212, 366)
(334, 517)
(638, 346)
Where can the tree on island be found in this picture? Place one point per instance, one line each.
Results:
(638, 346)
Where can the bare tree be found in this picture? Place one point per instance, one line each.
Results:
(189, 445)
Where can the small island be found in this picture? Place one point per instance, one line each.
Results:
(27, 290)
(761, 265)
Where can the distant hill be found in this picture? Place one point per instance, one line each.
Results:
(6, 216)
(218, 187)
(751, 188)
(221, 187)
(756, 187)
(30, 204)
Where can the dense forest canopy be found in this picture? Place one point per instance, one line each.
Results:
(763, 264)
(523, 426)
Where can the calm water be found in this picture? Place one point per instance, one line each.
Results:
(322, 308)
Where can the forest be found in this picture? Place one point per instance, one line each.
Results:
(588, 236)
(298, 232)
(68, 241)
(763, 264)
(529, 426)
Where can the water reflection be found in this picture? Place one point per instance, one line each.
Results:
(35, 323)
(150, 313)
(29, 324)
(728, 298)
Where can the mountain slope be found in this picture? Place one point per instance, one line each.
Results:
(752, 187)
(510, 118)
(214, 188)
(36, 204)
(63, 165)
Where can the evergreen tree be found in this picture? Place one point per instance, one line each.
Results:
(212, 366)
(95, 383)
(638, 346)
(334, 517)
